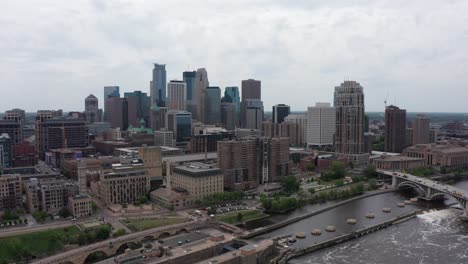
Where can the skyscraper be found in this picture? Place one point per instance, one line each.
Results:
(92, 109)
(349, 137)
(395, 129)
(138, 107)
(158, 117)
(109, 91)
(201, 83)
(189, 79)
(17, 115)
(251, 89)
(180, 123)
(5, 151)
(176, 91)
(213, 105)
(252, 114)
(158, 85)
(229, 115)
(117, 109)
(301, 121)
(280, 111)
(421, 130)
(231, 95)
(321, 125)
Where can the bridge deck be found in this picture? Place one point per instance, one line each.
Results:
(444, 188)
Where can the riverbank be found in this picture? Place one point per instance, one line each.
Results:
(290, 254)
(263, 230)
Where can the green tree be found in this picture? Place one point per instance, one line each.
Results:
(311, 167)
(311, 190)
(10, 215)
(120, 232)
(290, 184)
(40, 216)
(143, 199)
(370, 172)
(65, 212)
(94, 206)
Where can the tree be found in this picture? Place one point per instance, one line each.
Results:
(143, 199)
(239, 217)
(39, 215)
(65, 212)
(94, 206)
(290, 184)
(370, 172)
(311, 190)
(120, 232)
(103, 232)
(10, 215)
(311, 167)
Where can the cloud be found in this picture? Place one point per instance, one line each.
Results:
(55, 53)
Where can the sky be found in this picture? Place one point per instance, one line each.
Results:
(414, 54)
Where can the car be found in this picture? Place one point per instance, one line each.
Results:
(180, 243)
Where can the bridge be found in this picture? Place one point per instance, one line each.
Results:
(111, 246)
(428, 188)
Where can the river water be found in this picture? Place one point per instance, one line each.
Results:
(435, 236)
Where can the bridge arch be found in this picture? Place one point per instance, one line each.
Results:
(96, 256)
(131, 245)
(414, 185)
(180, 231)
(164, 235)
(148, 238)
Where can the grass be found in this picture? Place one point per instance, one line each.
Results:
(16, 248)
(247, 215)
(143, 224)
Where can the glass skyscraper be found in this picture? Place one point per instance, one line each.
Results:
(213, 105)
(231, 95)
(158, 85)
(189, 79)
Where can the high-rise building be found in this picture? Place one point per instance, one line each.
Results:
(433, 133)
(158, 117)
(349, 135)
(321, 125)
(201, 83)
(198, 179)
(5, 152)
(92, 109)
(180, 123)
(212, 105)
(395, 129)
(229, 115)
(408, 137)
(138, 108)
(17, 115)
(282, 130)
(421, 130)
(280, 111)
(231, 95)
(109, 91)
(60, 133)
(279, 164)
(251, 89)
(301, 121)
(158, 85)
(13, 129)
(176, 93)
(252, 114)
(117, 109)
(189, 79)
(24, 155)
(10, 193)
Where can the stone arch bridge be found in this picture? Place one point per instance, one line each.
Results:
(110, 246)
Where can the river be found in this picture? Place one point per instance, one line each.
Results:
(434, 237)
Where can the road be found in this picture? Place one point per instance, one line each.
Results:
(13, 231)
(115, 241)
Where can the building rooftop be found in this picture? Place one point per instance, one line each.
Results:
(197, 169)
(397, 158)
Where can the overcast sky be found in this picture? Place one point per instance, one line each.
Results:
(55, 53)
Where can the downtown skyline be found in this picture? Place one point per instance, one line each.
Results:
(398, 51)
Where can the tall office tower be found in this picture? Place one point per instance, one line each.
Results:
(180, 123)
(409, 137)
(176, 95)
(118, 112)
(231, 95)
(280, 111)
(421, 130)
(17, 115)
(201, 83)
(158, 85)
(60, 133)
(138, 108)
(366, 123)
(213, 105)
(189, 79)
(433, 133)
(276, 154)
(229, 115)
(252, 114)
(158, 117)
(321, 125)
(41, 117)
(251, 89)
(349, 139)
(301, 121)
(395, 129)
(109, 91)
(92, 109)
(13, 129)
(5, 151)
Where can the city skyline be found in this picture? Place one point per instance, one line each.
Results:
(302, 47)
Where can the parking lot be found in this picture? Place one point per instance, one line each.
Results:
(229, 207)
